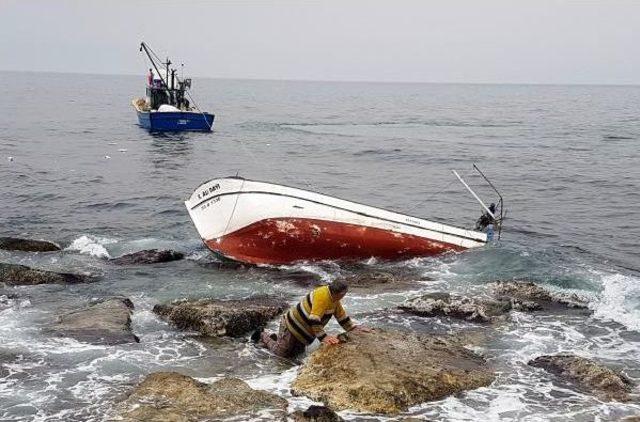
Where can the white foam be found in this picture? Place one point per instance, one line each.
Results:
(619, 301)
(91, 245)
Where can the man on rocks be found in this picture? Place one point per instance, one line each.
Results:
(305, 322)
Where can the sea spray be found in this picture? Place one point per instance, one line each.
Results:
(619, 300)
(91, 245)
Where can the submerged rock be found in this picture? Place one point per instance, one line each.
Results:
(170, 396)
(379, 280)
(529, 291)
(369, 280)
(27, 245)
(150, 256)
(21, 275)
(587, 375)
(215, 317)
(316, 414)
(445, 304)
(388, 371)
(104, 322)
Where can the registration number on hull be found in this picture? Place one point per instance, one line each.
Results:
(206, 192)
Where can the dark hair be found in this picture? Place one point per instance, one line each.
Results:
(338, 286)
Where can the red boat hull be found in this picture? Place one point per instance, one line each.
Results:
(287, 240)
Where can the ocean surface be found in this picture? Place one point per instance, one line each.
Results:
(76, 169)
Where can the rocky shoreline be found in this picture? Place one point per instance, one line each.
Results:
(384, 372)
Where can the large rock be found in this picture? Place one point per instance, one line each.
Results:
(21, 275)
(150, 256)
(445, 304)
(529, 291)
(316, 414)
(469, 309)
(170, 396)
(588, 375)
(215, 317)
(27, 245)
(105, 322)
(387, 372)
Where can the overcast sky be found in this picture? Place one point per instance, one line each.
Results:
(540, 41)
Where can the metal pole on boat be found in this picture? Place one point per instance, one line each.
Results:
(503, 212)
(146, 50)
(474, 194)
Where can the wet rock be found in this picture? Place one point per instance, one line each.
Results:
(445, 304)
(389, 371)
(588, 375)
(215, 318)
(522, 305)
(27, 245)
(170, 396)
(316, 414)
(227, 264)
(150, 256)
(531, 293)
(104, 322)
(21, 275)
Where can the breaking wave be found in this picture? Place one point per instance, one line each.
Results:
(91, 245)
(619, 300)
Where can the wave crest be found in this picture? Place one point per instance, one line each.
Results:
(91, 245)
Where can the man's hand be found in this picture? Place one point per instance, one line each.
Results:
(330, 340)
(362, 329)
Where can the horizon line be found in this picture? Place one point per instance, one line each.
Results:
(364, 81)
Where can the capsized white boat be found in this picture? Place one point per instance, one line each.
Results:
(265, 223)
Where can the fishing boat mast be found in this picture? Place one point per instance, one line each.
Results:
(144, 47)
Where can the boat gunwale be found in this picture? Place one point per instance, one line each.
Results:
(485, 241)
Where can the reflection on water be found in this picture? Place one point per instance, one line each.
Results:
(169, 151)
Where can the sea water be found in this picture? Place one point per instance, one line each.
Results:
(76, 169)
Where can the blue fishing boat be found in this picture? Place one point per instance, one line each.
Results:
(166, 106)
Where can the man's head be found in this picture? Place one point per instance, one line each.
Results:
(338, 289)
(150, 71)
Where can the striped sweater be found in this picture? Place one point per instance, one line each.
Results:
(307, 319)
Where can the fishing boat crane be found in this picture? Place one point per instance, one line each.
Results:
(166, 106)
